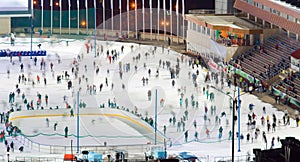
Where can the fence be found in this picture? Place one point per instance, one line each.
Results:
(125, 23)
(53, 149)
(242, 158)
(38, 159)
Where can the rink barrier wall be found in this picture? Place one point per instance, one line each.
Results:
(15, 116)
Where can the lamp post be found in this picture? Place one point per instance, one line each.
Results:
(31, 29)
(155, 118)
(233, 117)
(78, 121)
(236, 105)
(95, 27)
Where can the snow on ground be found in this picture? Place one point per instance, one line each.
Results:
(133, 96)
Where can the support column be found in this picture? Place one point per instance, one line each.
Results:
(271, 26)
(248, 15)
(251, 39)
(297, 37)
(255, 19)
(288, 33)
(263, 23)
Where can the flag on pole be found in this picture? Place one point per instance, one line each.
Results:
(150, 4)
(183, 8)
(103, 4)
(69, 4)
(42, 3)
(86, 4)
(111, 4)
(170, 8)
(143, 3)
(177, 8)
(51, 2)
(120, 7)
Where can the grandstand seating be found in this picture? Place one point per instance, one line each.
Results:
(266, 61)
(4, 53)
(290, 85)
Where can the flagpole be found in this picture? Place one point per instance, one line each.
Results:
(51, 19)
(112, 14)
(69, 16)
(164, 6)
(177, 14)
(120, 7)
(171, 22)
(128, 17)
(135, 11)
(86, 16)
(42, 16)
(143, 1)
(60, 10)
(78, 17)
(150, 4)
(158, 8)
(183, 33)
(103, 6)
(95, 27)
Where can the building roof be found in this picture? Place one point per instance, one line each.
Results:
(269, 16)
(296, 54)
(224, 22)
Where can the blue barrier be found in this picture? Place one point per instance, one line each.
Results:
(3, 53)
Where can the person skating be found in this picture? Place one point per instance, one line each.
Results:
(186, 134)
(66, 132)
(71, 113)
(55, 126)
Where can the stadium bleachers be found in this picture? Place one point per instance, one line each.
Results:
(267, 60)
(290, 85)
(5, 53)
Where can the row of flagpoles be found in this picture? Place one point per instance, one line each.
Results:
(120, 10)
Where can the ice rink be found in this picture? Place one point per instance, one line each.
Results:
(123, 85)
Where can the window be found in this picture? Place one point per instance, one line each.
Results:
(199, 29)
(266, 8)
(208, 31)
(203, 30)
(194, 26)
(283, 15)
(291, 18)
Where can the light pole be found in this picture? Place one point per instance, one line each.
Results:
(31, 29)
(236, 105)
(95, 27)
(155, 117)
(233, 117)
(78, 121)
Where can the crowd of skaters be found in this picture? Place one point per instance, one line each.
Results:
(174, 73)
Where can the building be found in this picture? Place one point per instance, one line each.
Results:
(219, 37)
(282, 14)
(295, 60)
(224, 6)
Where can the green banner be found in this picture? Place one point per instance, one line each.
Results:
(282, 95)
(242, 74)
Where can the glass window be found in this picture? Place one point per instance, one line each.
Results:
(266, 8)
(208, 31)
(291, 18)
